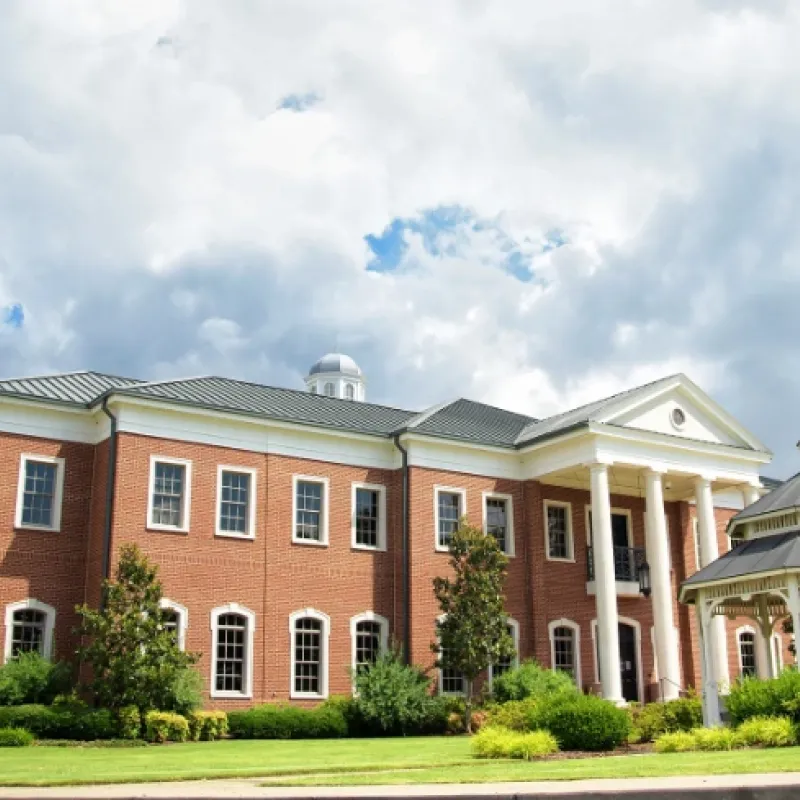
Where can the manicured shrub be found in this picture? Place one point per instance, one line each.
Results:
(766, 732)
(514, 715)
(165, 726)
(287, 722)
(653, 719)
(678, 742)
(530, 680)
(348, 708)
(582, 722)
(207, 726)
(752, 697)
(129, 719)
(184, 692)
(713, 739)
(15, 737)
(29, 678)
(51, 722)
(503, 743)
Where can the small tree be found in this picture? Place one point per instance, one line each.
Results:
(472, 632)
(134, 659)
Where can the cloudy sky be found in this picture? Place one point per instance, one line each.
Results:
(523, 202)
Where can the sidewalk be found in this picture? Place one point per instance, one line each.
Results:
(780, 786)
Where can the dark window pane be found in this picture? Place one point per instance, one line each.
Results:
(231, 652)
(558, 532)
(747, 653)
(38, 497)
(308, 524)
(234, 504)
(168, 488)
(308, 655)
(497, 521)
(367, 517)
(27, 631)
(564, 650)
(450, 512)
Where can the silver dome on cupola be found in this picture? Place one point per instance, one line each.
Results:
(336, 375)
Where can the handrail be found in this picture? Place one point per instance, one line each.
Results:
(627, 561)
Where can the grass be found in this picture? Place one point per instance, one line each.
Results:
(55, 766)
(632, 766)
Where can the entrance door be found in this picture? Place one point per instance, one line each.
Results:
(627, 659)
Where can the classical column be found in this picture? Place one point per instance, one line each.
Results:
(750, 494)
(711, 715)
(794, 608)
(606, 586)
(709, 551)
(669, 673)
(764, 641)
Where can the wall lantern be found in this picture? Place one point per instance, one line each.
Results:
(644, 579)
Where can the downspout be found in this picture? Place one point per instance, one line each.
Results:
(405, 551)
(111, 477)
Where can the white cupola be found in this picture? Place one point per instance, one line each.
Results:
(336, 375)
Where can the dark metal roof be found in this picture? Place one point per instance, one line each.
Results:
(76, 388)
(786, 496)
(766, 554)
(336, 362)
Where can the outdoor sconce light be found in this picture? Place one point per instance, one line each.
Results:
(644, 579)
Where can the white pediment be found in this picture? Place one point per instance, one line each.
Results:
(682, 409)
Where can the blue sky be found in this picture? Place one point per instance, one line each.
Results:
(526, 203)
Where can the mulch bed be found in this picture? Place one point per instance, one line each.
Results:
(627, 750)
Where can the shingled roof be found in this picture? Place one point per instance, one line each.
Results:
(784, 497)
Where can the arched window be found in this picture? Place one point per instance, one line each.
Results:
(176, 619)
(310, 630)
(496, 670)
(369, 633)
(746, 641)
(232, 661)
(330, 390)
(350, 392)
(29, 628)
(565, 648)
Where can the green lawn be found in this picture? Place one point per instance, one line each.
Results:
(351, 761)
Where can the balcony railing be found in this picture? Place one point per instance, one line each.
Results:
(627, 561)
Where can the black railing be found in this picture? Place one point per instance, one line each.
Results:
(627, 561)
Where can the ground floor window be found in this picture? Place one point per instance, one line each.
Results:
(233, 651)
(506, 664)
(747, 653)
(369, 632)
(29, 628)
(309, 630)
(564, 647)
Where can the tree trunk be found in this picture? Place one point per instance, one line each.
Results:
(468, 707)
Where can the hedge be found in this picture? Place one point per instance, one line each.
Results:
(61, 722)
(165, 726)
(503, 743)
(756, 732)
(776, 697)
(207, 726)
(655, 719)
(15, 737)
(584, 722)
(273, 721)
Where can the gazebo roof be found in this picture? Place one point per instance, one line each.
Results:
(784, 497)
(751, 558)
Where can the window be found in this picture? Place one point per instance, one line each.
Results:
(29, 628)
(746, 638)
(330, 390)
(309, 630)
(451, 681)
(565, 648)
(39, 493)
(175, 619)
(506, 664)
(170, 494)
(310, 510)
(350, 392)
(449, 508)
(558, 528)
(236, 504)
(369, 632)
(498, 520)
(232, 663)
(369, 516)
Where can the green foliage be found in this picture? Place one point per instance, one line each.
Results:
(653, 719)
(766, 732)
(134, 660)
(514, 715)
(530, 680)
(394, 699)
(287, 722)
(752, 697)
(207, 726)
(15, 737)
(165, 726)
(129, 721)
(713, 739)
(678, 742)
(185, 694)
(503, 743)
(472, 633)
(62, 722)
(584, 722)
(29, 678)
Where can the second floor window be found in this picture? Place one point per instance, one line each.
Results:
(559, 531)
(369, 517)
(449, 509)
(497, 514)
(236, 506)
(310, 511)
(169, 494)
(39, 493)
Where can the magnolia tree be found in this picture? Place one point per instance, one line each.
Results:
(473, 629)
(134, 658)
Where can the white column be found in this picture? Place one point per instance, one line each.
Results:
(764, 640)
(750, 494)
(711, 715)
(669, 673)
(762, 653)
(606, 586)
(709, 551)
(794, 608)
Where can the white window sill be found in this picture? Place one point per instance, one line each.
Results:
(560, 560)
(153, 526)
(231, 695)
(368, 548)
(307, 696)
(42, 528)
(440, 549)
(309, 542)
(231, 535)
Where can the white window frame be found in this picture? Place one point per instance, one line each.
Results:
(739, 631)
(183, 618)
(510, 550)
(514, 625)
(622, 512)
(463, 511)
(637, 626)
(325, 635)
(570, 531)
(250, 616)
(563, 622)
(187, 495)
(251, 502)
(381, 490)
(440, 681)
(58, 496)
(324, 515)
(49, 625)
(367, 616)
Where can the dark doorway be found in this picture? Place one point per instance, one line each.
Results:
(619, 530)
(627, 659)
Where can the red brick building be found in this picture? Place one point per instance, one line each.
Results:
(297, 532)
